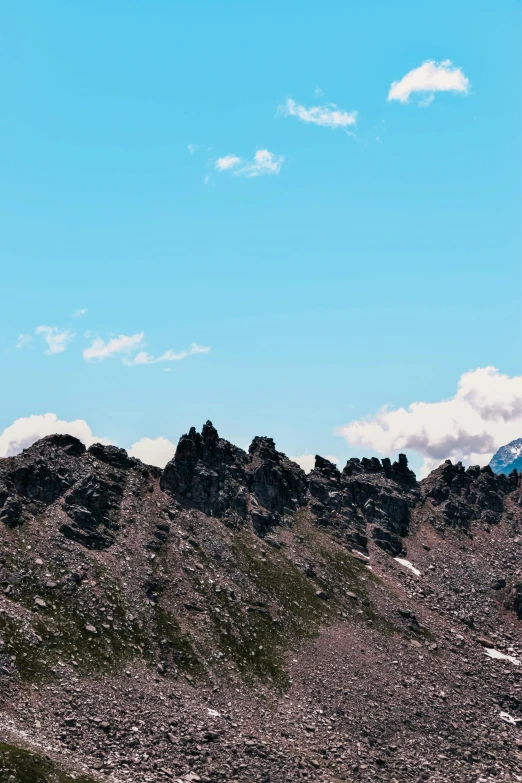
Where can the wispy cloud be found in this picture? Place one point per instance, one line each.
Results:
(227, 162)
(329, 116)
(123, 344)
(264, 162)
(23, 340)
(192, 148)
(56, 340)
(429, 78)
(80, 313)
(169, 356)
(130, 349)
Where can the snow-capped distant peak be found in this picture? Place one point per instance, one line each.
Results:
(508, 458)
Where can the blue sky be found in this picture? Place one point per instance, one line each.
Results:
(375, 265)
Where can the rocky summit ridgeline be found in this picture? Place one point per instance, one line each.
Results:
(231, 618)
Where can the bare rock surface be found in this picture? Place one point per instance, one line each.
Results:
(231, 618)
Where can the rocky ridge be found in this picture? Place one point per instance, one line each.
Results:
(232, 618)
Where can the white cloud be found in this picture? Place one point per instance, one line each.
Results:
(429, 78)
(80, 313)
(307, 461)
(26, 431)
(153, 451)
(264, 162)
(123, 344)
(192, 148)
(23, 432)
(169, 356)
(327, 116)
(55, 339)
(23, 340)
(484, 414)
(227, 162)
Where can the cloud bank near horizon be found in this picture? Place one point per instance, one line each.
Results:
(484, 414)
(25, 431)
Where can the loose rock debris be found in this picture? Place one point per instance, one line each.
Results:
(231, 619)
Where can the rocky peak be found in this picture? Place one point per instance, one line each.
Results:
(277, 485)
(326, 469)
(208, 473)
(398, 471)
(263, 447)
(48, 445)
(370, 499)
(112, 455)
(461, 495)
(214, 476)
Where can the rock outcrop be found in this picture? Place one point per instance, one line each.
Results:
(208, 473)
(460, 495)
(370, 499)
(265, 488)
(365, 499)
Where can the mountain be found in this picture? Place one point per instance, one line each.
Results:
(230, 618)
(508, 458)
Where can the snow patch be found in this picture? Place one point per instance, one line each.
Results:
(407, 564)
(500, 656)
(517, 450)
(507, 718)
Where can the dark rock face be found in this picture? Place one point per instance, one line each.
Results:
(462, 495)
(208, 473)
(216, 477)
(331, 503)
(277, 485)
(94, 508)
(112, 455)
(266, 488)
(38, 476)
(508, 458)
(58, 467)
(11, 512)
(370, 500)
(365, 495)
(514, 600)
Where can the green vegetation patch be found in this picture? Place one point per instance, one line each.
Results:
(61, 629)
(22, 766)
(252, 636)
(175, 645)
